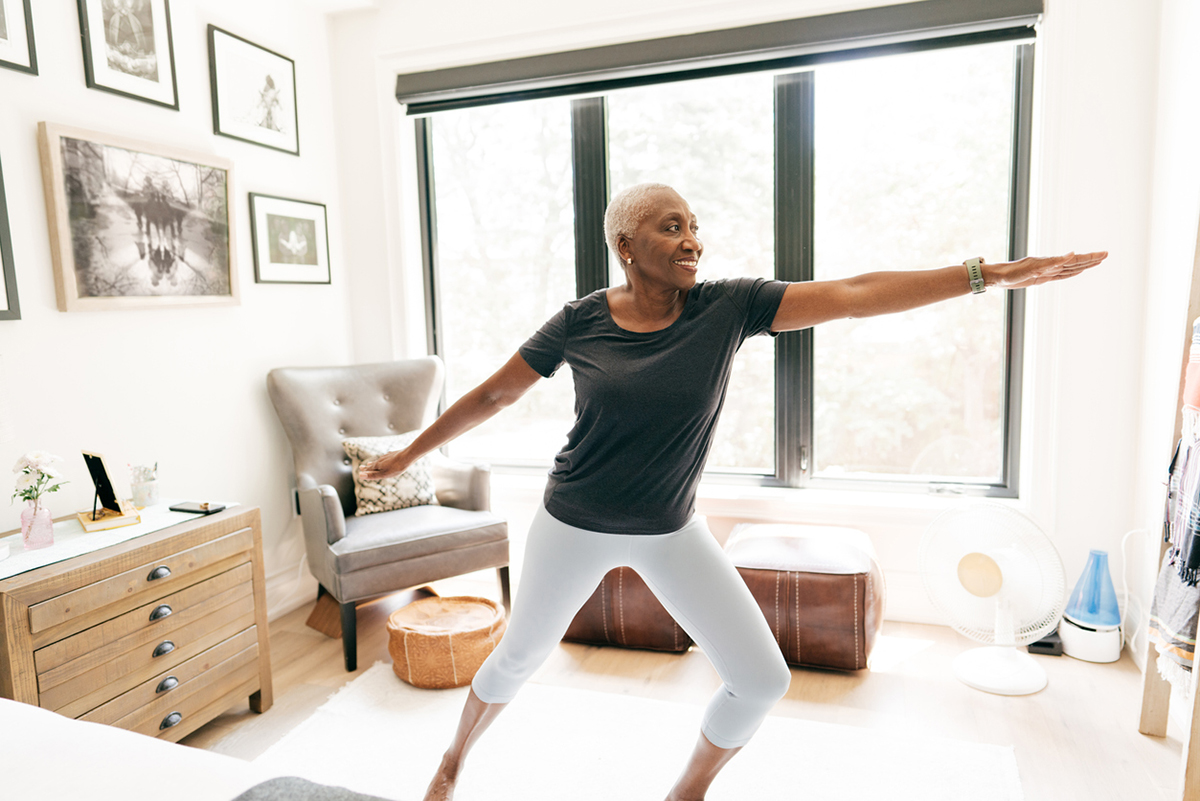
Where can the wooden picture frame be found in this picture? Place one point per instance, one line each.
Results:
(128, 49)
(17, 50)
(10, 308)
(253, 92)
(290, 240)
(136, 225)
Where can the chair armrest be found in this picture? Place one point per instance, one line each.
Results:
(461, 484)
(321, 515)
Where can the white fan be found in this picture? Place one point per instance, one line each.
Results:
(998, 580)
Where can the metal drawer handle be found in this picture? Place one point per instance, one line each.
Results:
(170, 720)
(160, 611)
(169, 683)
(164, 647)
(160, 572)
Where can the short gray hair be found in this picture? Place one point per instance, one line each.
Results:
(626, 211)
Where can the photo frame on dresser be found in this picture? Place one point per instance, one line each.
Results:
(10, 309)
(128, 49)
(290, 241)
(17, 50)
(253, 92)
(135, 224)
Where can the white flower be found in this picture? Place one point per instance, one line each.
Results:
(40, 460)
(26, 481)
(51, 472)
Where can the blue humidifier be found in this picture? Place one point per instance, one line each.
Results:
(1091, 625)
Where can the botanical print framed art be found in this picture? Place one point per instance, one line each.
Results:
(291, 241)
(17, 51)
(253, 92)
(134, 224)
(10, 309)
(127, 49)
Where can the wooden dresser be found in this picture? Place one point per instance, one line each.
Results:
(159, 634)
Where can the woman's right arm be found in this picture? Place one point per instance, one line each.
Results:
(502, 389)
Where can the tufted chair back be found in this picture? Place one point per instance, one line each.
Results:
(321, 406)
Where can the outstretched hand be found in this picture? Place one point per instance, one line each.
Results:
(386, 466)
(1032, 271)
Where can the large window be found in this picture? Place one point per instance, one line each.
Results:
(907, 160)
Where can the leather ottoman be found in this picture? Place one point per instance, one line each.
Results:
(819, 587)
(622, 611)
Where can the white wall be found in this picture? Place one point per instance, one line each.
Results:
(1098, 74)
(181, 387)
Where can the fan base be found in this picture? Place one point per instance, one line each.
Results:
(1000, 669)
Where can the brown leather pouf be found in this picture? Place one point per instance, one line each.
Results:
(819, 587)
(437, 643)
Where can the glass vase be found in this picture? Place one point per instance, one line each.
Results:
(37, 527)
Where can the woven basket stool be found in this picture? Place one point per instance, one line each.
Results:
(437, 643)
(819, 587)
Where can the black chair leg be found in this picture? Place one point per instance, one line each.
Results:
(350, 636)
(505, 593)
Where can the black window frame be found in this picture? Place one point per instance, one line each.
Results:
(794, 204)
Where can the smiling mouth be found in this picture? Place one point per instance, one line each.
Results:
(687, 264)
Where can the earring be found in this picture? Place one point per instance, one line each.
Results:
(629, 261)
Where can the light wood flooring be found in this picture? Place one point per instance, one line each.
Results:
(1077, 739)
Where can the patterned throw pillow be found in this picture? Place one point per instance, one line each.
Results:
(413, 487)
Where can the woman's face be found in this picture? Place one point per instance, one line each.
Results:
(665, 249)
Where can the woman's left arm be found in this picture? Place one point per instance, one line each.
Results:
(807, 303)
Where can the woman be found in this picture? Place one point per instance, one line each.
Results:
(651, 362)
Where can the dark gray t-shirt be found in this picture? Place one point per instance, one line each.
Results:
(646, 404)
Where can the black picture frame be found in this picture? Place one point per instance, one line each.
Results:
(281, 261)
(253, 92)
(12, 308)
(102, 481)
(115, 54)
(11, 33)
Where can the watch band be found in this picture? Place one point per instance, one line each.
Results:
(975, 275)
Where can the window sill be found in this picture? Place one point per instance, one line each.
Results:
(737, 501)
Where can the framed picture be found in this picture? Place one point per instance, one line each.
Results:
(134, 224)
(253, 92)
(9, 308)
(291, 241)
(127, 49)
(16, 36)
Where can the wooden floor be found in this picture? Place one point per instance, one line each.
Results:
(1077, 739)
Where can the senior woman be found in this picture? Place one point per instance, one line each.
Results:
(651, 362)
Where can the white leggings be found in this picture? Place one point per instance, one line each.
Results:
(687, 571)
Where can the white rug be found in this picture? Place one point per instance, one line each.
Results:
(379, 735)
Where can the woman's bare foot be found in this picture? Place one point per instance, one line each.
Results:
(442, 786)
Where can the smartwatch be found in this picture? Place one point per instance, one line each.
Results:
(975, 275)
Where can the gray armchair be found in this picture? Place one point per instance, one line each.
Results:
(360, 558)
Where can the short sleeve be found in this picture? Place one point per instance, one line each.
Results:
(544, 350)
(759, 301)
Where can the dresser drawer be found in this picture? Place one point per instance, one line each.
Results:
(160, 577)
(163, 685)
(220, 689)
(193, 694)
(73, 689)
(156, 617)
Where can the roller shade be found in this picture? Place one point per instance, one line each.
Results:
(773, 45)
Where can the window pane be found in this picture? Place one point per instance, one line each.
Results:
(912, 171)
(506, 261)
(712, 140)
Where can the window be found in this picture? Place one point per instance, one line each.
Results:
(908, 160)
